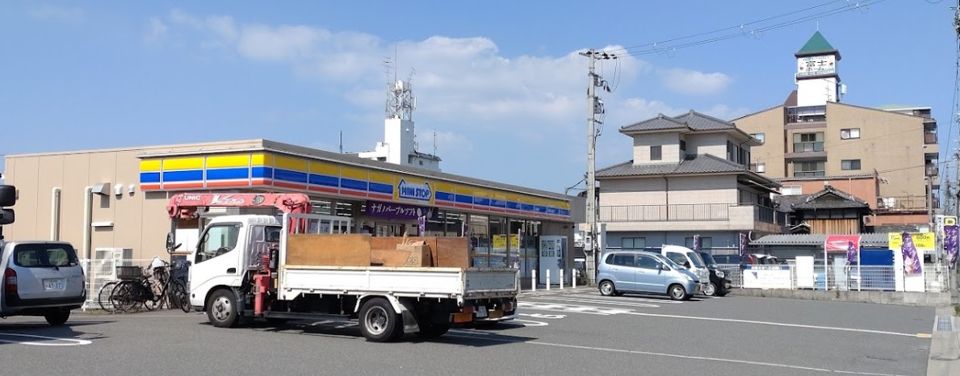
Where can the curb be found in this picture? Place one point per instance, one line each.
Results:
(944, 357)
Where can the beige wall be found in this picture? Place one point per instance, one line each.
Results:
(770, 123)
(711, 143)
(670, 151)
(682, 190)
(138, 223)
(890, 143)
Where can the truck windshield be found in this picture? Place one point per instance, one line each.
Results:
(708, 259)
(44, 255)
(695, 259)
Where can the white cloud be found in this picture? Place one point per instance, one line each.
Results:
(686, 81)
(155, 30)
(57, 13)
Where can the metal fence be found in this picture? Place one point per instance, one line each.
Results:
(843, 278)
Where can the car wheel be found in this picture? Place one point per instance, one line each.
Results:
(222, 309)
(57, 316)
(607, 288)
(378, 322)
(677, 292)
(710, 289)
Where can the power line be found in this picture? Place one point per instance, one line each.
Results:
(667, 46)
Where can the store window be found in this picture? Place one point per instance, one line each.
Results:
(479, 240)
(656, 153)
(498, 249)
(633, 243)
(849, 133)
(850, 164)
(759, 137)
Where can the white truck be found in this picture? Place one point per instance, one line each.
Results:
(240, 271)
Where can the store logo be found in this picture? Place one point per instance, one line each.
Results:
(414, 191)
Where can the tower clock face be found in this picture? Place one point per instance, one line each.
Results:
(816, 65)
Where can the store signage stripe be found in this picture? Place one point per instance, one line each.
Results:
(227, 173)
(284, 184)
(381, 188)
(182, 176)
(326, 180)
(149, 177)
(380, 196)
(262, 172)
(227, 183)
(353, 184)
(316, 188)
(289, 175)
(149, 187)
(182, 185)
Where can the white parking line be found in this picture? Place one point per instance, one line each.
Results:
(595, 301)
(57, 341)
(771, 323)
(619, 298)
(571, 308)
(681, 356)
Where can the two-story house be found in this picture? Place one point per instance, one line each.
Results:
(689, 176)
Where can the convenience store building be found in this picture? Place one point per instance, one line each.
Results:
(112, 203)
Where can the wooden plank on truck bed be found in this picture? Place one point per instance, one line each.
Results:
(328, 250)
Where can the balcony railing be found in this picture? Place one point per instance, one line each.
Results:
(806, 114)
(898, 203)
(684, 212)
(929, 138)
(807, 147)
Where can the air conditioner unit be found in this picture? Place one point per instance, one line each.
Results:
(868, 220)
(106, 260)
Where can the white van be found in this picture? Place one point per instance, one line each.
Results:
(689, 259)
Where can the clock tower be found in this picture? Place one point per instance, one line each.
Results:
(818, 80)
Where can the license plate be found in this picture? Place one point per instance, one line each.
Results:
(53, 284)
(481, 312)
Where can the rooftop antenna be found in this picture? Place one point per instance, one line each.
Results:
(434, 142)
(341, 141)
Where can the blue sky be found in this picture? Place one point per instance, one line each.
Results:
(498, 81)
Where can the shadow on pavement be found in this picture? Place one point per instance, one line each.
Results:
(41, 332)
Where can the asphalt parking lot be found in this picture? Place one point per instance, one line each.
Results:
(556, 334)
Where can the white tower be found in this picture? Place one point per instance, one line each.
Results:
(399, 144)
(818, 79)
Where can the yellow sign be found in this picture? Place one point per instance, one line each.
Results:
(500, 242)
(924, 241)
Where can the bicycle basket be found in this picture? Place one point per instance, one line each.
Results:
(129, 272)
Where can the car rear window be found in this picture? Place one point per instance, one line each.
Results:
(44, 255)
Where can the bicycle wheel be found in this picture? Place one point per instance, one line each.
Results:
(152, 300)
(103, 297)
(124, 297)
(179, 297)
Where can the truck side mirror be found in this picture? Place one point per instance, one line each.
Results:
(7, 216)
(664, 267)
(170, 243)
(686, 264)
(8, 195)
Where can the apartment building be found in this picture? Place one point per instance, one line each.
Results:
(814, 137)
(688, 176)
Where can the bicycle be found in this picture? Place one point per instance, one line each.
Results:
(103, 297)
(151, 292)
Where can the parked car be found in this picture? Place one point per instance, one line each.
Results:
(727, 259)
(644, 272)
(40, 279)
(689, 259)
(719, 283)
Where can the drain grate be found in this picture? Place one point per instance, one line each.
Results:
(944, 324)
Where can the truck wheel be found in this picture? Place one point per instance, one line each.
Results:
(710, 289)
(677, 292)
(378, 322)
(222, 309)
(607, 289)
(57, 316)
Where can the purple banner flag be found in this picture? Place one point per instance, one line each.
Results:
(852, 253)
(951, 244)
(696, 243)
(911, 261)
(743, 245)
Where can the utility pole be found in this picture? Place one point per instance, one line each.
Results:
(593, 109)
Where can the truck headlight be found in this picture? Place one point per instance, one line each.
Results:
(720, 274)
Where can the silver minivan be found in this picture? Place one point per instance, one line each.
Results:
(40, 279)
(644, 272)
